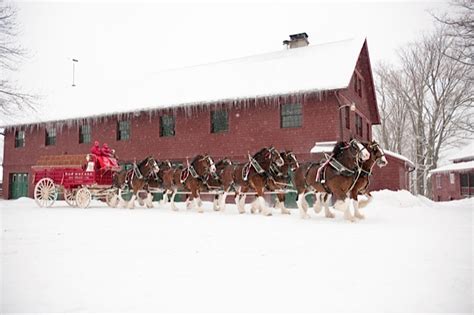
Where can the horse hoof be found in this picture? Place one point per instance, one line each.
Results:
(330, 215)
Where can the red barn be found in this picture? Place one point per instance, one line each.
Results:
(453, 181)
(290, 99)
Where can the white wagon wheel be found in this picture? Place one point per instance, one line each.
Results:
(83, 197)
(70, 197)
(45, 193)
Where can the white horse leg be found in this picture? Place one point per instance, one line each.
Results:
(164, 201)
(222, 199)
(189, 203)
(141, 202)
(215, 203)
(317, 202)
(242, 203)
(149, 200)
(262, 205)
(114, 201)
(345, 206)
(281, 205)
(357, 213)
(131, 203)
(173, 205)
(198, 204)
(121, 202)
(254, 206)
(327, 212)
(303, 206)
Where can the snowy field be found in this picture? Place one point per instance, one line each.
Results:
(408, 255)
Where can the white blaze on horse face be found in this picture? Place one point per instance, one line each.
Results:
(213, 166)
(279, 162)
(365, 155)
(382, 162)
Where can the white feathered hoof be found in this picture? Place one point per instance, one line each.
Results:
(348, 216)
(359, 215)
(329, 214)
(317, 207)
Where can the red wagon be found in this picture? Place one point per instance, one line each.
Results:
(78, 177)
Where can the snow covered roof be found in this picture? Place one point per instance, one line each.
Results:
(454, 167)
(320, 67)
(326, 147)
(463, 153)
(400, 157)
(323, 147)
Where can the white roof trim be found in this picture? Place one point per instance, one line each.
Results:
(454, 167)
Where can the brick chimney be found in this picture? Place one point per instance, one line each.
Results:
(297, 40)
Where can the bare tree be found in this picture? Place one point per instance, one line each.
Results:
(429, 96)
(460, 27)
(394, 126)
(12, 100)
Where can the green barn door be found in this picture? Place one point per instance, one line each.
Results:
(18, 185)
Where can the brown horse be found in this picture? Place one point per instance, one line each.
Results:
(156, 181)
(222, 182)
(135, 178)
(193, 178)
(253, 175)
(377, 156)
(336, 175)
(280, 178)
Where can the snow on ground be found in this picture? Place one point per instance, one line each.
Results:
(409, 255)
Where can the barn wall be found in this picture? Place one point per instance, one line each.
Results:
(250, 129)
(447, 191)
(394, 176)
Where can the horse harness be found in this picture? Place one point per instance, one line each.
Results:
(340, 168)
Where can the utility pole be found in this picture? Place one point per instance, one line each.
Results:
(73, 70)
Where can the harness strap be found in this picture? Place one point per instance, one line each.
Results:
(256, 166)
(192, 171)
(136, 171)
(340, 168)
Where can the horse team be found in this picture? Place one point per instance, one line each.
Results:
(344, 174)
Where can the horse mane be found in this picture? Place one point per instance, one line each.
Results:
(140, 164)
(338, 148)
(260, 152)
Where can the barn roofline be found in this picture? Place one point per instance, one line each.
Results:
(189, 108)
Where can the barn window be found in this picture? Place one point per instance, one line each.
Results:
(347, 117)
(123, 130)
(85, 134)
(167, 126)
(451, 178)
(19, 138)
(291, 115)
(219, 121)
(50, 136)
(358, 124)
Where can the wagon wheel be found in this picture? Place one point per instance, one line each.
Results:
(70, 197)
(45, 193)
(83, 198)
(111, 198)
